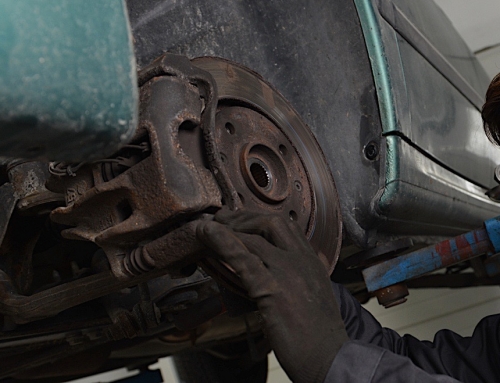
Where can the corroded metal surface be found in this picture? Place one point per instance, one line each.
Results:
(153, 196)
(391, 296)
(239, 86)
(193, 152)
(194, 159)
(50, 302)
(174, 250)
(266, 171)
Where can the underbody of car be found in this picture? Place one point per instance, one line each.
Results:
(330, 123)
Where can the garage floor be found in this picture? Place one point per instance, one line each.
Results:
(427, 310)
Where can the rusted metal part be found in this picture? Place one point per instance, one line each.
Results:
(182, 68)
(238, 86)
(391, 296)
(153, 196)
(137, 313)
(23, 309)
(47, 333)
(129, 324)
(29, 179)
(126, 323)
(145, 315)
(174, 250)
(141, 206)
(196, 161)
(165, 294)
(266, 171)
(24, 200)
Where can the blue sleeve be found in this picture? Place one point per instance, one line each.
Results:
(358, 362)
(381, 355)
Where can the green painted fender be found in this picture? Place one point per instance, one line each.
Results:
(68, 88)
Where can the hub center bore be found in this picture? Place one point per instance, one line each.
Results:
(261, 174)
(265, 173)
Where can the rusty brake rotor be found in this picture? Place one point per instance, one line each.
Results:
(272, 158)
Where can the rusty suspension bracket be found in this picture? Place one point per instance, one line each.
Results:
(131, 214)
(47, 303)
(25, 203)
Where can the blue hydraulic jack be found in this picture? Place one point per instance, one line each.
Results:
(385, 279)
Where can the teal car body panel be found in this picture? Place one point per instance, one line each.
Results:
(68, 88)
(437, 155)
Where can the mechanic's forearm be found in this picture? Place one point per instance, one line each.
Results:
(467, 359)
(359, 362)
(375, 354)
(361, 325)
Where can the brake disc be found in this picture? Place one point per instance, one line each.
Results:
(272, 158)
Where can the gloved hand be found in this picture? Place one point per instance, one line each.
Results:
(290, 285)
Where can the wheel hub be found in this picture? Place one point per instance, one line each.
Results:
(262, 164)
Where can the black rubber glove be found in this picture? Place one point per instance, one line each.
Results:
(282, 273)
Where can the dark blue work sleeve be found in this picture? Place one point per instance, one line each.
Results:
(376, 354)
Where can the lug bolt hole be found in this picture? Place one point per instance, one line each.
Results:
(283, 150)
(297, 185)
(260, 175)
(230, 128)
(223, 157)
(371, 151)
(293, 215)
